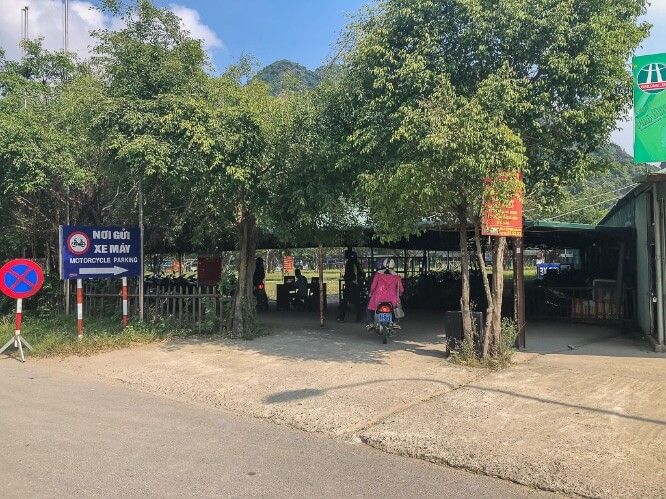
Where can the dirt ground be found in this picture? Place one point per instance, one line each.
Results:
(337, 381)
(589, 421)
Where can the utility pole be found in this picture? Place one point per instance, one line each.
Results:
(24, 38)
(519, 289)
(66, 279)
(24, 24)
(65, 25)
(141, 289)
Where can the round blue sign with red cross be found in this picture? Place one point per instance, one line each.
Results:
(21, 278)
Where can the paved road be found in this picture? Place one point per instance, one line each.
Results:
(65, 436)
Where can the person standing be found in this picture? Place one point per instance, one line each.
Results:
(354, 279)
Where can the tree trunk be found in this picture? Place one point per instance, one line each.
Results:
(243, 308)
(467, 327)
(497, 292)
(487, 330)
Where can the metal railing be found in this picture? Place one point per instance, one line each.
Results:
(579, 304)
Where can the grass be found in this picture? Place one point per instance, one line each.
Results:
(56, 336)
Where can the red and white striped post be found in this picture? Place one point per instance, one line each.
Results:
(19, 321)
(125, 307)
(79, 308)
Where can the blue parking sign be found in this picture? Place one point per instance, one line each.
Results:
(100, 252)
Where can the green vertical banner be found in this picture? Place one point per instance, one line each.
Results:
(649, 108)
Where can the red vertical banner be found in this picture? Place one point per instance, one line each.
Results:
(288, 264)
(503, 220)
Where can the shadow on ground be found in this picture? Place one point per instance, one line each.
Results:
(298, 336)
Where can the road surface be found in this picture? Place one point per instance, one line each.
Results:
(70, 437)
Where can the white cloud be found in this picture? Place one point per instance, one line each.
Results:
(191, 21)
(45, 20)
(46, 16)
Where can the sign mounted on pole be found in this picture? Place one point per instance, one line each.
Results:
(99, 252)
(649, 108)
(20, 279)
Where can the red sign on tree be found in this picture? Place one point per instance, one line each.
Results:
(505, 220)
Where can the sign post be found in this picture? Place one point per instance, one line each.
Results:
(79, 308)
(20, 279)
(124, 297)
(100, 253)
(649, 73)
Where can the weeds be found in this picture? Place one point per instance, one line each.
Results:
(56, 336)
(251, 327)
(469, 356)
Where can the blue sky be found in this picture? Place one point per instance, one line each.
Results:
(304, 31)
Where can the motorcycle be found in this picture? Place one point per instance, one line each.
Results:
(384, 325)
(260, 295)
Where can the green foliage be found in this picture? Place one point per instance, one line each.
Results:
(554, 71)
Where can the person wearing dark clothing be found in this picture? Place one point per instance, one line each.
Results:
(259, 272)
(301, 284)
(302, 290)
(354, 280)
(258, 286)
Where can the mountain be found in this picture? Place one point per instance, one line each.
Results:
(287, 75)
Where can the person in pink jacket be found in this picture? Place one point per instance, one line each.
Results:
(386, 287)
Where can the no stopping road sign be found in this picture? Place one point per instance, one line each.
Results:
(21, 278)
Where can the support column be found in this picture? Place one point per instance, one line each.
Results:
(519, 289)
(322, 296)
(658, 256)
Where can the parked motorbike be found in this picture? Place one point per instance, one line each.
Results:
(260, 295)
(384, 325)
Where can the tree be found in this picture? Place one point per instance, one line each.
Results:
(546, 78)
(39, 148)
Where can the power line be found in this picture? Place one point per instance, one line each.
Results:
(587, 198)
(583, 208)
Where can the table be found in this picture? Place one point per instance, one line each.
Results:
(287, 296)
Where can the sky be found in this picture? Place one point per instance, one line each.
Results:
(304, 31)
